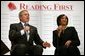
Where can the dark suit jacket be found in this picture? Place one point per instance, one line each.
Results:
(16, 38)
(59, 42)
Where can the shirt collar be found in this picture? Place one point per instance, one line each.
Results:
(22, 23)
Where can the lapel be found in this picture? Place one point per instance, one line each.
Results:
(20, 25)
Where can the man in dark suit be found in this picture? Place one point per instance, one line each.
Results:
(22, 36)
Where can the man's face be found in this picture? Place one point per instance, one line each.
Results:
(24, 16)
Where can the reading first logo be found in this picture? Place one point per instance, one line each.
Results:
(11, 6)
(40, 7)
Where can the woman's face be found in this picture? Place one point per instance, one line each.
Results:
(63, 20)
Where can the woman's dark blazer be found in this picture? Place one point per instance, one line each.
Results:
(59, 42)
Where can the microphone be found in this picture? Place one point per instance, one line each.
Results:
(27, 32)
(27, 28)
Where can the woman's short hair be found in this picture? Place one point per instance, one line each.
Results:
(59, 18)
